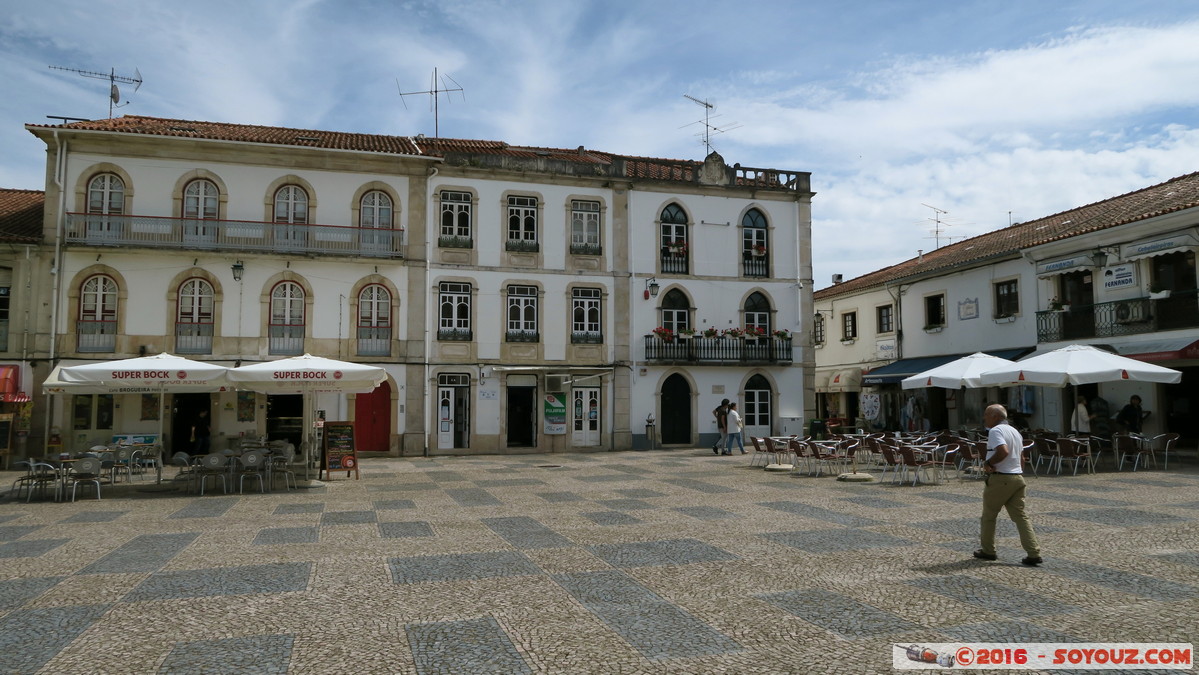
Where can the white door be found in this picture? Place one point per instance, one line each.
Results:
(445, 418)
(756, 413)
(585, 414)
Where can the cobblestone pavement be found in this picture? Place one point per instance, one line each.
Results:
(627, 562)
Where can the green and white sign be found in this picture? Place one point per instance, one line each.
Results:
(554, 413)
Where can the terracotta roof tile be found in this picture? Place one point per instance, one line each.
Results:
(21, 215)
(1173, 195)
(587, 161)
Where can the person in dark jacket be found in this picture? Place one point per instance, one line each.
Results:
(1131, 415)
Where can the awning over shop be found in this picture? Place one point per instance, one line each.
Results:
(10, 385)
(1167, 349)
(849, 379)
(1159, 246)
(822, 379)
(895, 372)
(1063, 265)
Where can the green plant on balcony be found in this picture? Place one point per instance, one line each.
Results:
(711, 333)
(754, 332)
(663, 334)
(735, 332)
(686, 333)
(782, 334)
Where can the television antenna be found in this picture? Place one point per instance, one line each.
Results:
(114, 93)
(939, 225)
(709, 129)
(434, 92)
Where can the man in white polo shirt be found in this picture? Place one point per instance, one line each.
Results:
(1005, 486)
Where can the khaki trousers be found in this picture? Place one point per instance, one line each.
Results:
(1007, 491)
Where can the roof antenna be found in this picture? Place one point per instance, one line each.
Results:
(938, 231)
(114, 93)
(435, 92)
(709, 128)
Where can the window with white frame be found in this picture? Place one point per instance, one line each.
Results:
(287, 319)
(201, 200)
(757, 313)
(375, 210)
(522, 223)
(457, 219)
(291, 205)
(454, 300)
(97, 326)
(754, 244)
(522, 314)
(105, 206)
(585, 227)
(585, 325)
(193, 318)
(676, 311)
(374, 321)
(818, 329)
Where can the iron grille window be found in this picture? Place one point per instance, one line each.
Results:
(585, 227)
(454, 311)
(522, 314)
(457, 216)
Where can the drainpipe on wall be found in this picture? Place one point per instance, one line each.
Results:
(56, 264)
(430, 411)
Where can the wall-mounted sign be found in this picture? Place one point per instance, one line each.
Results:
(1142, 249)
(1064, 265)
(968, 309)
(554, 412)
(1119, 276)
(884, 350)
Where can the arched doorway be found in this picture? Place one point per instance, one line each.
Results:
(756, 411)
(372, 419)
(675, 420)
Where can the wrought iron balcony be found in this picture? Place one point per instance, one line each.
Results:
(374, 340)
(96, 336)
(286, 339)
(718, 351)
(586, 338)
(238, 235)
(1121, 317)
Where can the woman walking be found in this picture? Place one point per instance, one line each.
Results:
(735, 426)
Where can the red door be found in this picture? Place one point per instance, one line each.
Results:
(372, 419)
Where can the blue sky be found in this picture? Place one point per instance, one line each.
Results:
(988, 110)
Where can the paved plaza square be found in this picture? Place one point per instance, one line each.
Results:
(628, 562)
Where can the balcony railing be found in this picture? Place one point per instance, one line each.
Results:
(717, 350)
(1121, 317)
(454, 334)
(4, 335)
(374, 340)
(193, 338)
(96, 336)
(754, 265)
(286, 339)
(674, 261)
(522, 336)
(580, 337)
(239, 235)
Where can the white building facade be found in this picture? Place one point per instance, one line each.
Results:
(506, 291)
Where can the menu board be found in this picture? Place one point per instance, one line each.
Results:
(339, 451)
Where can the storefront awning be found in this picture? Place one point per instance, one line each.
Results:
(10, 385)
(1160, 246)
(849, 379)
(1167, 349)
(822, 379)
(895, 372)
(1064, 265)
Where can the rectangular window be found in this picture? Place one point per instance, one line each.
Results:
(457, 220)
(522, 314)
(818, 329)
(849, 325)
(884, 318)
(522, 223)
(1007, 298)
(585, 227)
(454, 312)
(934, 311)
(585, 316)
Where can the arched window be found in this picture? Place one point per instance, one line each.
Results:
(757, 312)
(676, 311)
(105, 205)
(375, 210)
(754, 244)
(201, 199)
(97, 326)
(757, 405)
(454, 311)
(291, 205)
(374, 321)
(287, 319)
(675, 246)
(193, 318)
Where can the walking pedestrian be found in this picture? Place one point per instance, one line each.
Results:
(1131, 415)
(735, 426)
(1005, 488)
(721, 413)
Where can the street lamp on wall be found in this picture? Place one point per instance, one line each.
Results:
(651, 288)
(1100, 256)
(238, 270)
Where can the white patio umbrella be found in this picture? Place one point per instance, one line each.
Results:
(307, 375)
(963, 372)
(1078, 364)
(156, 374)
